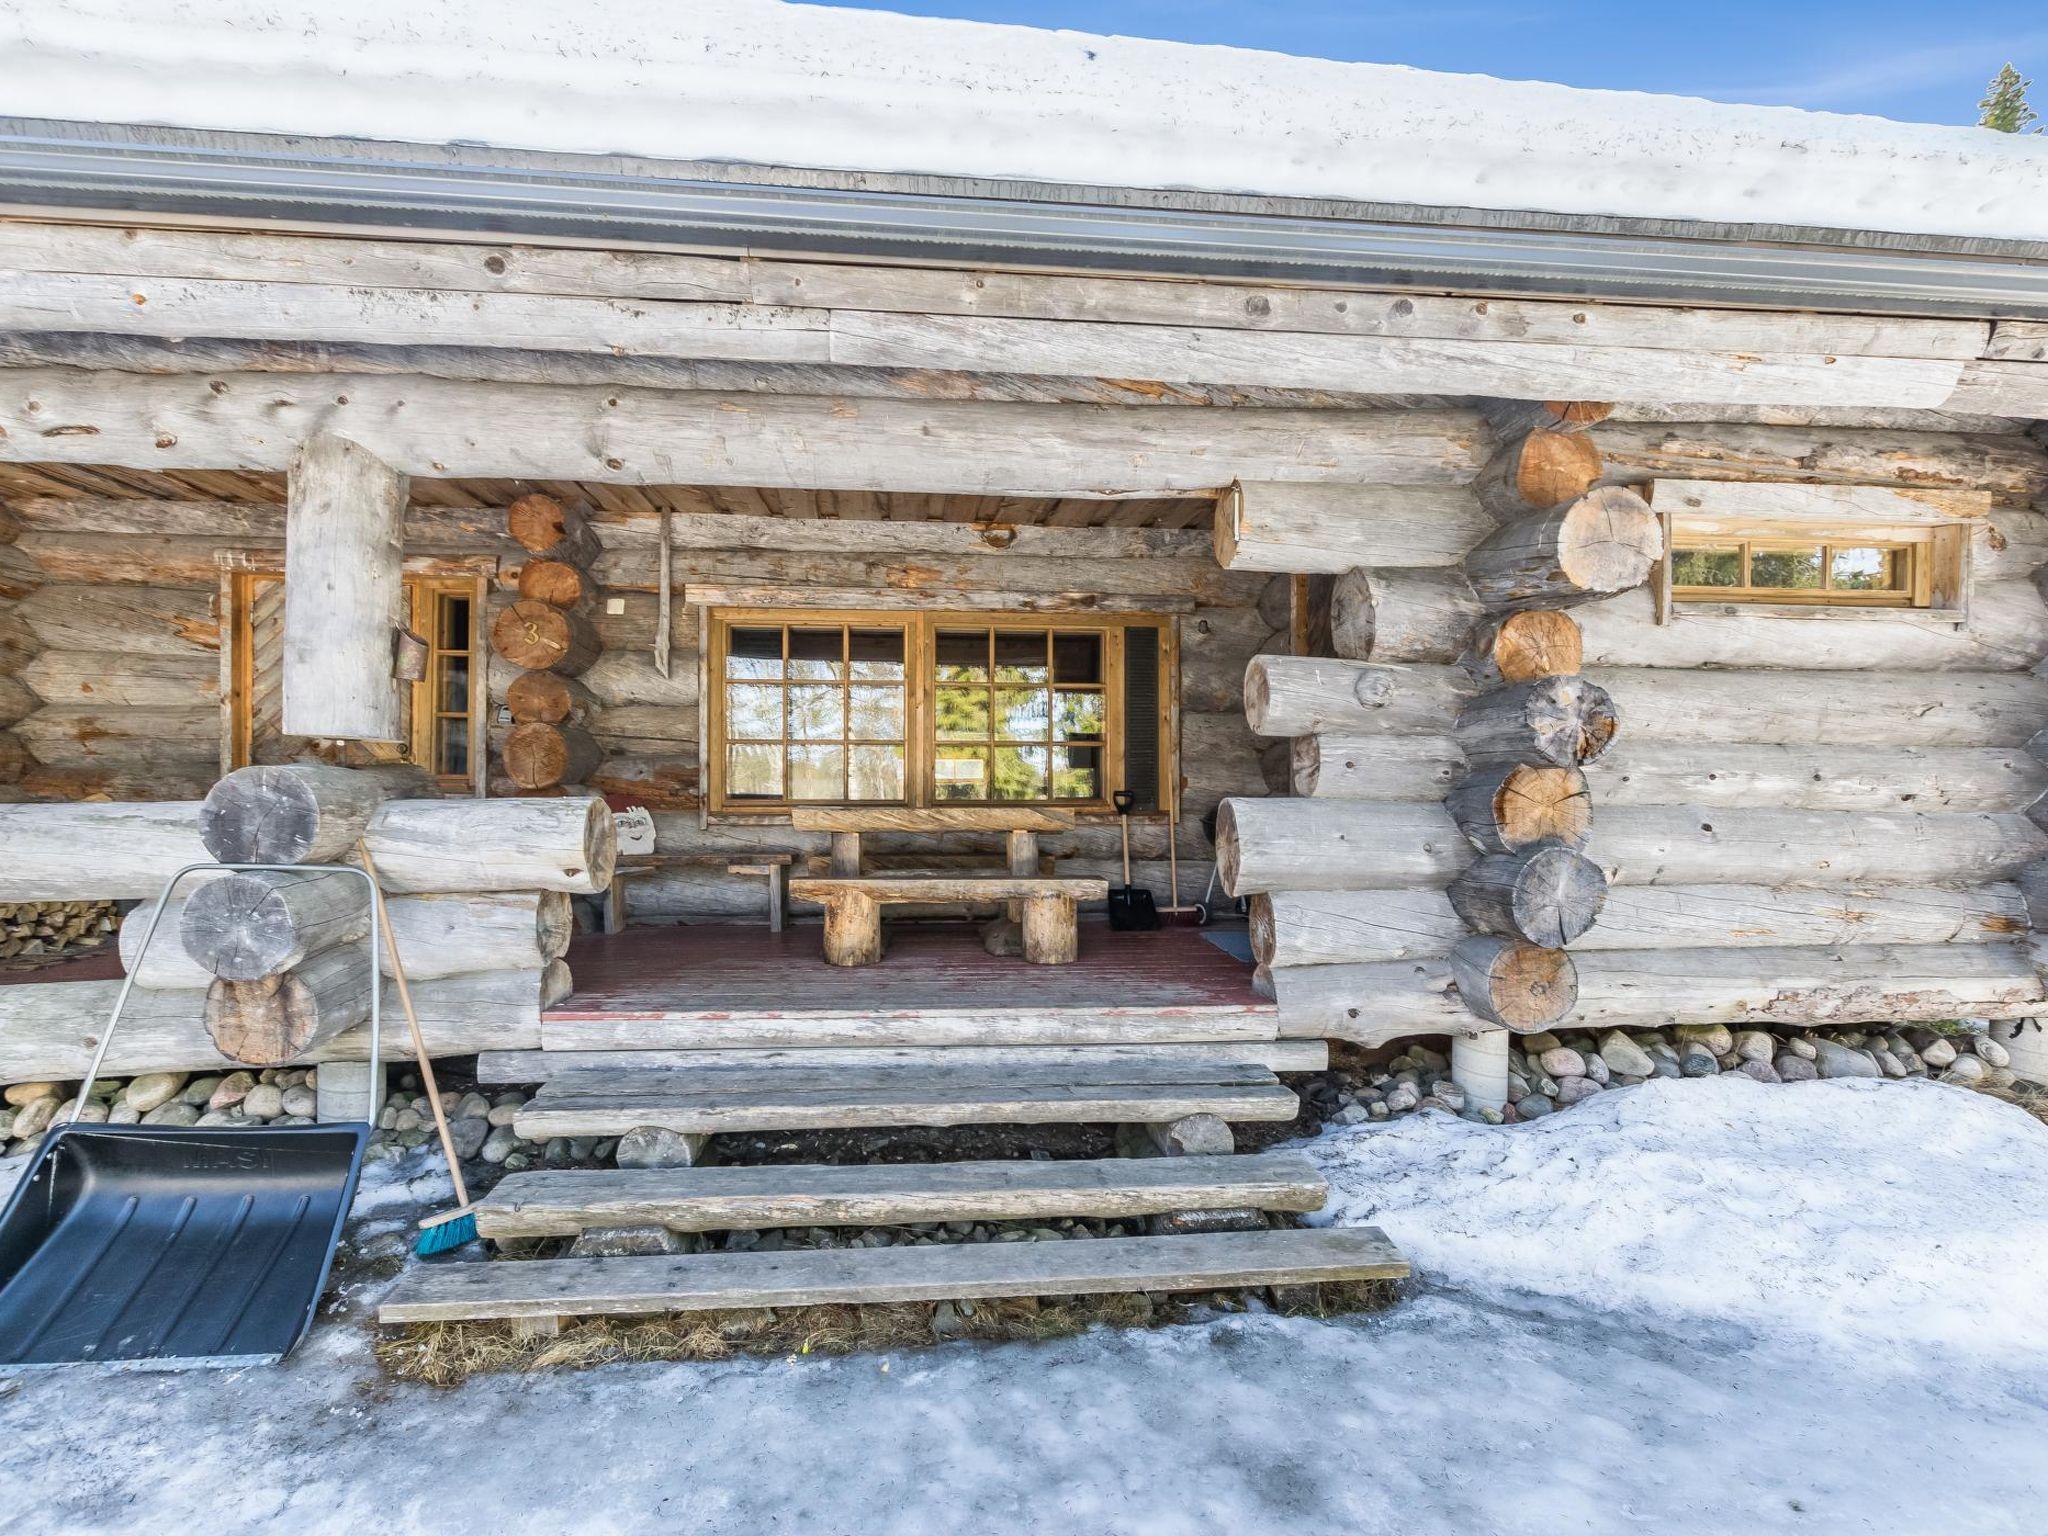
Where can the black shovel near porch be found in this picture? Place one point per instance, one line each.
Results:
(1131, 908)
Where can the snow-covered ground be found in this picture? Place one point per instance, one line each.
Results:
(759, 82)
(1689, 1307)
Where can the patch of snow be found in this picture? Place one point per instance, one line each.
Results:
(762, 82)
(1884, 1216)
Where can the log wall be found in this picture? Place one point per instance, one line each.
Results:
(1823, 813)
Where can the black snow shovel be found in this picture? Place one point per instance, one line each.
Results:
(158, 1245)
(1131, 909)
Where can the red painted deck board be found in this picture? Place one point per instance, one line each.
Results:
(713, 969)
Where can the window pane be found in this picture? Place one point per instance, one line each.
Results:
(1077, 658)
(961, 714)
(1794, 568)
(1868, 570)
(877, 713)
(1023, 713)
(1077, 773)
(817, 773)
(753, 711)
(753, 653)
(962, 655)
(451, 751)
(1705, 567)
(753, 773)
(877, 654)
(877, 773)
(1020, 658)
(1020, 773)
(816, 654)
(454, 623)
(454, 685)
(816, 713)
(1078, 714)
(961, 773)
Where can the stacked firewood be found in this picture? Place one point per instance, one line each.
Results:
(1523, 803)
(47, 929)
(548, 633)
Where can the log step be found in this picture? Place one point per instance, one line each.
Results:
(780, 1099)
(570, 1027)
(715, 1199)
(545, 1066)
(548, 1288)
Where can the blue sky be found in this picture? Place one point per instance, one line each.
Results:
(1920, 63)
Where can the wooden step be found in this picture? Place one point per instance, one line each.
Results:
(570, 1027)
(545, 1066)
(545, 1288)
(599, 1104)
(562, 1203)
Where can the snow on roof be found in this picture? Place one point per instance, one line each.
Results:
(762, 82)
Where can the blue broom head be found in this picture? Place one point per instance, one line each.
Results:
(444, 1235)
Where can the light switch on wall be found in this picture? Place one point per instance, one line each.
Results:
(615, 605)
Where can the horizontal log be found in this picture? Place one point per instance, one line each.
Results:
(276, 1019)
(14, 759)
(1522, 646)
(1879, 709)
(1546, 896)
(1303, 529)
(1532, 471)
(118, 736)
(1824, 778)
(49, 1030)
(1510, 806)
(1557, 722)
(1286, 844)
(1373, 1003)
(548, 844)
(260, 923)
(1297, 928)
(540, 637)
(1312, 695)
(2007, 630)
(1512, 983)
(184, 779)
(1576, 552)
(1216, 644)
(17, 702)
(438, 936)
(148, 621)
(541, 525)
(1872, 983)
(1690, 845)
(123, 678)
(94, 852)
(300, 813)
(1402, 615)
(538, 756)
(2012, 468)
(451, 430)
(1339, 767)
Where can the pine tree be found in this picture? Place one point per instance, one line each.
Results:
(2004, 106)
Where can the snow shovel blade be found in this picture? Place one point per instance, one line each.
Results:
(1132, 910)
(172, 1245)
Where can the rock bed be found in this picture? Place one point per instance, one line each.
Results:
(1548, 1072)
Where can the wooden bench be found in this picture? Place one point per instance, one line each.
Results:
(853, 908)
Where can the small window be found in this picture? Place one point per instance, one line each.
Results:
(443, 703)
(931, 709)
(1846, 571)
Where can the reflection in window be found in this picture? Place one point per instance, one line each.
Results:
(1018, 715)
(815, 712)
(1793, 570)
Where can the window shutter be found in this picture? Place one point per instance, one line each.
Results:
(1141, 715)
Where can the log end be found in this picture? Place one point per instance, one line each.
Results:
(1610, 541)
(1514, 984)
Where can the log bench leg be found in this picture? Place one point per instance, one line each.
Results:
(538, 1327)
(853, 930)
(1051, 930)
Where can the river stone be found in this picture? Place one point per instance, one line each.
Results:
(1623, 1056)
(1573, 1089)
(1887, 1063)
(1596, 1067)
(650, 1146)
(1939, 1052)
(471, 1105)
(1990, 1052)
(1965, 1069)
(124, 1114)
(1561, 1061)
(200, 1091)
(173, 1113)
(265, 1101)
(1802, 1046)
(22, 1094)
(1536, 1044)
(33, 1117)
(1664, 1066)
(1755, 1045)
(299, 1099)
(1450, 1095)
(1402, 1098)
(1698, 1061)
(1715, 1037)
(498, 1144)
(1794, 1069)
(1841, 1061)
(1762, 1071)
(469, 1135)
(1533, 1106)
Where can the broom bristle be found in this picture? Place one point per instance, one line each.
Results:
(444, 1235)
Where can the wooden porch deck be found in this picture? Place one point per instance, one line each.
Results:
(648, 988)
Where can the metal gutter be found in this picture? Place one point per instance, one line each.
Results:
(81, 170)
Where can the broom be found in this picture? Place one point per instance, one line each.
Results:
(453, 1228)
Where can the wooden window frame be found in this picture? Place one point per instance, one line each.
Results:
(467, 578)
(1936, 554)
(921, 627)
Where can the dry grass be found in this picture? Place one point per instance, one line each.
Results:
(448, 1354)
(2031, 1097)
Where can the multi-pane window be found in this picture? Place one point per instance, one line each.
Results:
(443, 708)
(1795, 570)
(1018, 715)
(815, 712)
(932, 709)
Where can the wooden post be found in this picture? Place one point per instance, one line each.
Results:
(853, 930)
(1051, 933)
(845, 854)
(344, 593)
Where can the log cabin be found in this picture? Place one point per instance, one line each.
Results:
(1616, 607)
